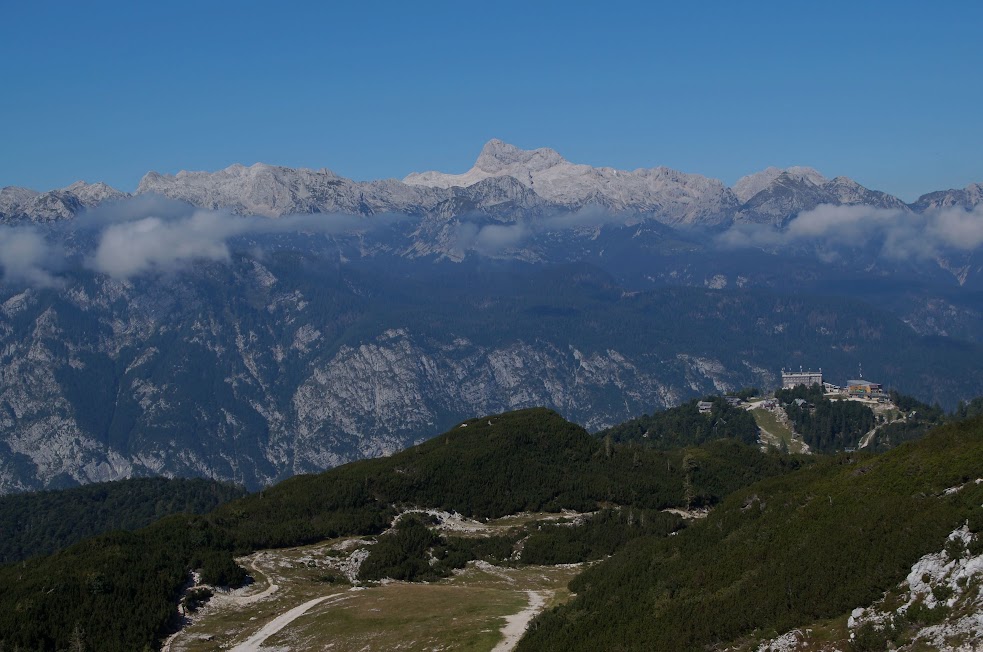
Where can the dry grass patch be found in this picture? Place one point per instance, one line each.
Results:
(463, 612)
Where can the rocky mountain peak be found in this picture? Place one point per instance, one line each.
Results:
(675, 196)
(802, 173)
(148, 180)
(750, 185)
(968, 198)
(497, 156)
(550, 183)
(93, 194)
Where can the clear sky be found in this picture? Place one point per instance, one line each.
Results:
(889, 93)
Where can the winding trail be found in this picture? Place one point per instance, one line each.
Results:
(516, 624)
(255, 642)
(271, 587)
(222, 599)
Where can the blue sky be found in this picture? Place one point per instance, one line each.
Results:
(888, 93)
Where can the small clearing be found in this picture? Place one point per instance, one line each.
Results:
(776, 430)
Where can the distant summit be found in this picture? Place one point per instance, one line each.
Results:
(497, 155)
(749, 186)
(971, 195)
(676, 197)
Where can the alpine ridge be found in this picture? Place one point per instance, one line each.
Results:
(547, 182)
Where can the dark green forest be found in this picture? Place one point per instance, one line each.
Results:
(826, 425)
(685, 426)
(413, 552)
(830, 425)
(40, 523)
(779, 554)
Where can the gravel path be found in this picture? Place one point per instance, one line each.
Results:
(516, 624)
(254, 643)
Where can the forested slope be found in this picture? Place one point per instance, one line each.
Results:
(686, 426)
(779, 554)
(43, 522)
(122, 588)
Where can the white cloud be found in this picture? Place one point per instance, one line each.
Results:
(894, 234)
(151, 243)
(162, 236)
(150, 234)
(26, 257)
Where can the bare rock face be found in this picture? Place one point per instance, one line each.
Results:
(968, 197)
(91, 195)
(252, 379)
(672, 197)
(15, 202)
(260, 189)
(24, 205)
(774, 196)
(255, 369)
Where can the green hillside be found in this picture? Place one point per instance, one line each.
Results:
(122, 588)
(40, 523)
(529, 460)
(685, 426)
(788, 542)
(779, 554)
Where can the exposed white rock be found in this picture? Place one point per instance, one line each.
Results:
(968, 197)
(93, 194)
(750, 185)
(676, 197)
(788, 642)
(958, 579)
(15, 201)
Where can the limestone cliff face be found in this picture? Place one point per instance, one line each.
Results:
(263, 366)
(257, 380)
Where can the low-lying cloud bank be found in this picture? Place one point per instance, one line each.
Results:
(28, 258)
(158, 244)
(894, 234)
(151, 234)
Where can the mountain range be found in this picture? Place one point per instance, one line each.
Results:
(203, 328)
(503, 178)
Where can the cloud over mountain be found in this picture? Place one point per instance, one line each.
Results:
(149, 234)
(27, 257)
(139, 244)
(896, 234)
